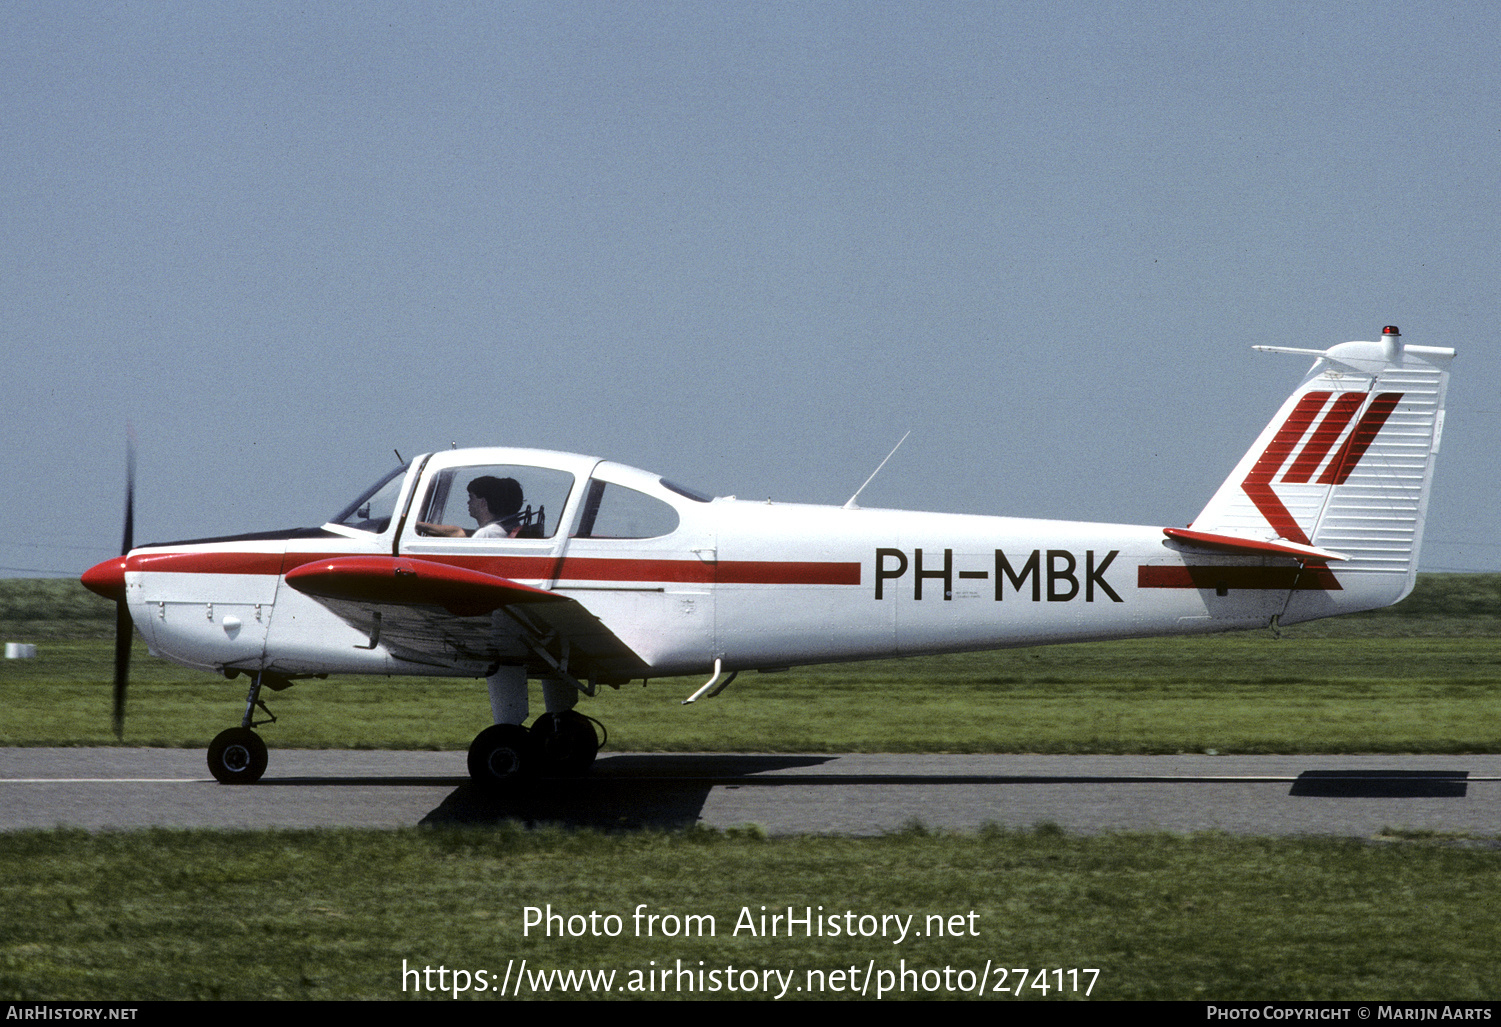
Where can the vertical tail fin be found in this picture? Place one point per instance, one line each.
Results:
(1345, 466)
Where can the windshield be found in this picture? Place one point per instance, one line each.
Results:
(376, 505)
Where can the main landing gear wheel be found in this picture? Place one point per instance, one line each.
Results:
(500, 756)
(237, 757)
(566, 743)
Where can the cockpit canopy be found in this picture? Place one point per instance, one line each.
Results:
(604, 508)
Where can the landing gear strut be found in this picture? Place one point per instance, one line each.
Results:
(238, 756)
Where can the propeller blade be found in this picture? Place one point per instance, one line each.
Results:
(124, 627)
(124, 632)
(128, 541)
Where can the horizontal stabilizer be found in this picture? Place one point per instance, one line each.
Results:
(1252, 546)
(401, 581)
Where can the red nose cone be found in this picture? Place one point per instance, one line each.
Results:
(106, 579)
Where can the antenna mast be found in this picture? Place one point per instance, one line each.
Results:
(852, 505)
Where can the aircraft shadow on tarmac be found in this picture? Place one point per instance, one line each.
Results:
(625, 793)
(1382, 784)
(668, 791)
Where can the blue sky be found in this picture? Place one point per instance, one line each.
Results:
(747, 246)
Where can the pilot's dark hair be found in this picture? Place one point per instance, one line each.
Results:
(501, 495)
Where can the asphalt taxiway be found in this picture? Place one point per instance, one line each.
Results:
(1362, 796)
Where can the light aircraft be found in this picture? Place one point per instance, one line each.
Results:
(582, 572)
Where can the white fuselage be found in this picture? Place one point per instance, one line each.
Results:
(749, 584)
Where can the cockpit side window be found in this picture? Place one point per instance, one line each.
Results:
(614, 511)
(517, 501)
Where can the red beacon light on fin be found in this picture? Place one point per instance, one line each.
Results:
(1390, 330)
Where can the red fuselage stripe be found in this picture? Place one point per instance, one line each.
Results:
(1313, 578)
(731, 572)
(220, 562)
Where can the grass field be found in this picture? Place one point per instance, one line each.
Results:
(332, 914)
(1244, 693)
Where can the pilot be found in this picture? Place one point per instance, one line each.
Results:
(494, 503)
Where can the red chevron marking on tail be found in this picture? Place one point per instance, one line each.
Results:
(1360, 439)
(1258, 484)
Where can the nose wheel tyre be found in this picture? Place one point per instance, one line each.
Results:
(237, 757)
(500, 756)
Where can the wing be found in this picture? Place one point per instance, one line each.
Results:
(440, 615)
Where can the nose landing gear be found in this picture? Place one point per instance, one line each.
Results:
(238, 756)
